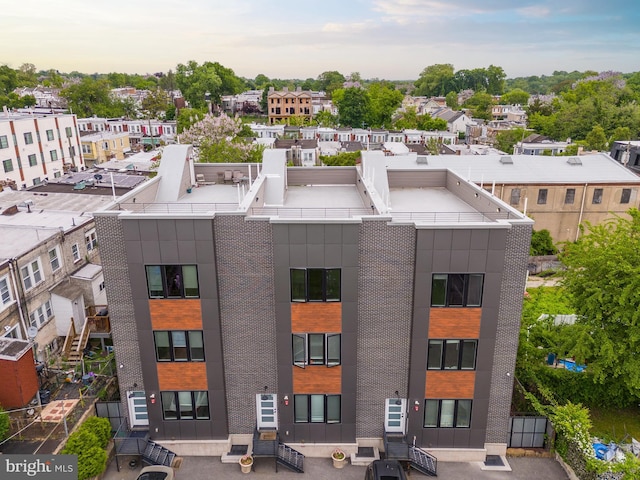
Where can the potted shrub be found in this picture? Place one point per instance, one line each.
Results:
(338, 457)
(246, 463)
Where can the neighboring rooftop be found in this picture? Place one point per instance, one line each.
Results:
(12, 348)
(28, 218)
(523, 169)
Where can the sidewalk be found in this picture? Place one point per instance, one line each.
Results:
(207, 468)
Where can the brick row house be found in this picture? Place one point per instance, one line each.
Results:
(302, 303)
(37, 147)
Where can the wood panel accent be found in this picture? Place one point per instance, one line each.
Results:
(175, 314)
(182, 376)
(454, 322)
(450, 384)
(316, 317)
(317, 379)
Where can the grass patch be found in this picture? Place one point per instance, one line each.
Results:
(615, 424)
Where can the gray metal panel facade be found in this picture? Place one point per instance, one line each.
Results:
(317, 246)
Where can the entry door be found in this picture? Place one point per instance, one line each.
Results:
(267, 410)
(395, 416)
(138, 416)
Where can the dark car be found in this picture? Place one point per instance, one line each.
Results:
(385, 470)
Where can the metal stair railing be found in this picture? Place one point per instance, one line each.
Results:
(290, 458)
(422, 461)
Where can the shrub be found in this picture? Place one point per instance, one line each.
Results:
(88, 444)
(5, 423)
(100, 427)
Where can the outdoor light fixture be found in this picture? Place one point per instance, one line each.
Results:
(264, 395)
(416, 405)
(286, 400)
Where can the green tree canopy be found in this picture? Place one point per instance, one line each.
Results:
(330, 82)
(596, 139)
(542, 243)
(91, 97)
(517, 96)
(603, 280)
(480, 104)
(384, 100)
(506, 139)
(435, 80)
(353, 106)
(196, 80)
(156, 102)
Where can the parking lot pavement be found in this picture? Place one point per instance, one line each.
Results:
(210, 468)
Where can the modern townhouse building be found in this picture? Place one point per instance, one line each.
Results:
(315, 307)
(283, 104)
(37, 147)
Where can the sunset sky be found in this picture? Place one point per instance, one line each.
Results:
(390, 39)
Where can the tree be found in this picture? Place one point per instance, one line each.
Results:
(27, 76)
(603, 279)
(506, 139)
(197, 80)
(542, 243)
(353, 106)
(517, 96)
(495, 80)
(155, 102)
(342, 159)
(168, 81)
(435, 80)
(408, 120)
(330, 81)
(426, 122)
(325, 118)
(480, 103)
(8, 79)
(596, 139)
(216, 141)
(452, 100)
(384, 100)
(91, 97)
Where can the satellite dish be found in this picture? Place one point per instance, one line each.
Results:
(32, 332)
(97, 176)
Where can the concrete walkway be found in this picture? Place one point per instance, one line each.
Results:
(207, 468)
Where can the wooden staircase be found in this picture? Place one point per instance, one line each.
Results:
(75, 343)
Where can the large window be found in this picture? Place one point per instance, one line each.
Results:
(185, 405)
(316, 349)
(172, 281)
(4, 143)
(447, 413)
(91, 239)
(31, 274)
(7, 165)
(317, 408)
(457, 290)
(542, 196)
(54, 155)
(597, 196)
(179, 346)
(626, 195)
(452, 354)
(40, 315)
(53, 259)
(315, 285)
(50, 135)
(515, 196)
(570, 196)
(28, 138)
(5, 292)
(33, 161)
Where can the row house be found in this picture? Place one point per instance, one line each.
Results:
(104, 146)
(152, 132)
(245, 102)
(627, 153)
(37, 147)
(307, 312)
(50, 274)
